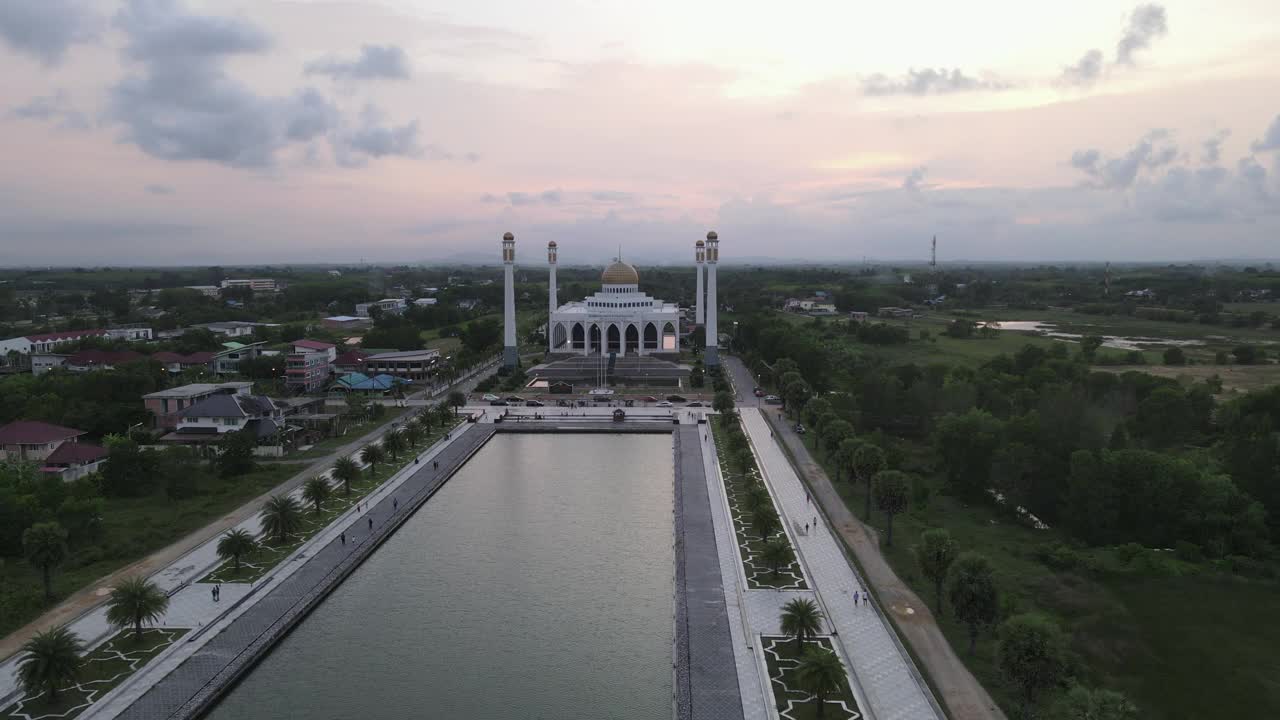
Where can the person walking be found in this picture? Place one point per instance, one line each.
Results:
(370, 522)
(395, 503)
(343, 537)
(213, 593)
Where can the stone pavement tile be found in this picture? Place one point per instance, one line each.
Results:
(877, 662)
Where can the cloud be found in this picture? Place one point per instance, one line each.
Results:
(612, 196)
(157, 189)
(912, 182)
(45, 29)
(1213, 147)
(1146, 23)
(375, 62)
(930, 82)
(1152, 151)
(56, 107)
(374, 139)
(1270, 139)
(1085, 72)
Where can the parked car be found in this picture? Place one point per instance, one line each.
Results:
(563, 403)
(649, 398)
(500, 403)
(534, 403)
(664, 403)
(800, 429)
(515, 399)
(676, 398)
(758, 392)
(490, 397)
(773, 399)
(694, 404)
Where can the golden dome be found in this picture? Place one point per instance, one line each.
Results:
(700, 243)
(620, 273)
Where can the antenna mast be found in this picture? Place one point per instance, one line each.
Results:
(933, 258)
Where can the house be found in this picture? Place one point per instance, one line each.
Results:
(205, 290)
(468, 304)
(177, 362)
(812, 306)
(42, 363)
(165, 405)
(1144, 294)
(346, 322)
(307, 371)
(351, 361)
(209, 419)
(859, 316)
(895, 312)
(335, 273)
(363, 384)
(426, 302)
(46, 342)
(84, 360)
(227, 362)
(73, 460)
(407, 365)
(304, 346)
(389, 306)
(254, 284)
(130, 333)
(34, 440)
(231, 328)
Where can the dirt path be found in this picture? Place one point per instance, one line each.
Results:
(961, 693)
(90, 596)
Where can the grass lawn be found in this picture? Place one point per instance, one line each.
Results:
(781, 660)
(1199, 645)
(105, 667)
(132, 528)
(351, 433)
(750, 545)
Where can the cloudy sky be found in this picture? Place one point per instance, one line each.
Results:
(236, 131)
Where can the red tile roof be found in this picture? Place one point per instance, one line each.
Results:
(66, 335)
(350, 358)
(104, 357)
(313, 344)
(75, 454)
(34, 432)
(195, 358)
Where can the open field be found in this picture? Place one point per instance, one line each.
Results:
(132, 528)
(1235, 378)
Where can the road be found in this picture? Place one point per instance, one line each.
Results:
(957, 688)
(90, 596)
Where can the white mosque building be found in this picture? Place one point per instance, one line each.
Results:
(619, 319)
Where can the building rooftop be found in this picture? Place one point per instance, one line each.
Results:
(35, 432)
(313, 345)
(65, 335)
(345, 318)
(75, 454)
(403, 355)
(186, 391)
(226, 405)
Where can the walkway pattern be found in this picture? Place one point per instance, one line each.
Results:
(199, 681)
(794, 703)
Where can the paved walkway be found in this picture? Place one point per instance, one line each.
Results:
(164, 564)
(964, 696)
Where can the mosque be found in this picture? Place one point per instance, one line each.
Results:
(620, 320)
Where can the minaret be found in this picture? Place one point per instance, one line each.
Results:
(699, 255)
(551, 293)
(510, 357)
(713, 340)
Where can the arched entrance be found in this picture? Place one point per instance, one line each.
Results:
(632, 339)
(670, 343)
(614, 339)
(559, 336)
(650, 337)
(595, 339)
(579, 337)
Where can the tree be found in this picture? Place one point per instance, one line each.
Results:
(722, 403)
(967, 444)
(235, 544)
(456, 400)
(357, 406)
(1031, 655)
(795, 395)
(1082, 703)
(412, 432)
(445, 413)
(820, 672)
(815, 409)
(128, 471)
(1175, 356)
(281, 516)
(51, 660)
(135, 601)
(1165, 416)
(801, 619)
(45, 546)
(1249, 355)
(765, 521)
(236, 456)
(844, 455)
(393, 442)
(866, 462)
(971, 588)
(372, 454)
(1089, 345)
(891, 489)
(834, 433)
(346, 471)
(776, 553)
(935, 554)
(756, 496)
(316, 491)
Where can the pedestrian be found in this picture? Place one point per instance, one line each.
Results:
(343, 536)
(213, 593)
(435, 465)
(415, 461)
(806, 528)
(370, 522)
(395, 503)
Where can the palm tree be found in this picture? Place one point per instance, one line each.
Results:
(756, 497)
(820, 672)
(765, 521)
(393, 442)
(776, 553)
(316, 491)
(372, 455)
(412, 433)
(51, 660)
(281, 516)
(801, 619)
(135, 601)
(235, 545)
(346, 471)
(45, 546)
(445, 413)
(457, 399)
